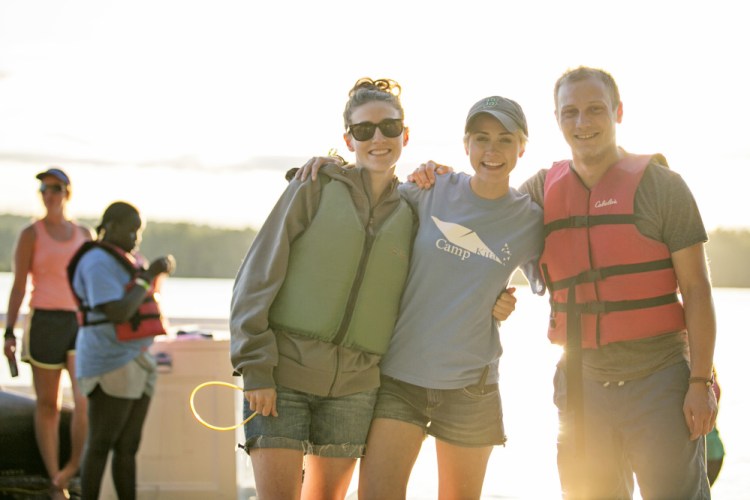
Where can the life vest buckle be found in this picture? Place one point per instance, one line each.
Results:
(592, 307)
(589, 276)
(579, 221)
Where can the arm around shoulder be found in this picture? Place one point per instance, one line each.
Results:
(534, 187)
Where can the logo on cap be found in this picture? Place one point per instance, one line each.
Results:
(490, 101)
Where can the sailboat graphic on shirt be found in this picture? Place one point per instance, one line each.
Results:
(468, 239)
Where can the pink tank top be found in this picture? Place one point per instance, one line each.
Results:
(49, 275)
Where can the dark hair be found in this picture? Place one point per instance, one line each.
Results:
(116, 212)
(367, 90)
(584, 72)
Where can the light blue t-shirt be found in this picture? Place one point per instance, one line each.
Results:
(464, 254)
(99, 279)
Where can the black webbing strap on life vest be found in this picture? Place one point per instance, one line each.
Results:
(600, 307)
(574, 418)
(574, 399)
(574, 346)
(591, 275)
(135, 320)
(614, 305)
(581, 221)
(124, 262)
(86, 322)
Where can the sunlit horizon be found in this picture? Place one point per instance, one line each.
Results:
(193, 111)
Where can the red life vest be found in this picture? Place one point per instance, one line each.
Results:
(619, 284)
(147, 320)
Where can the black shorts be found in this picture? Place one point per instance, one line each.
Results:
(50, 337)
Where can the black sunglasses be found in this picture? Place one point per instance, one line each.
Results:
(390, 127)
(55, 188)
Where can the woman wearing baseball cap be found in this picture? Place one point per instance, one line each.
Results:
(43, 250)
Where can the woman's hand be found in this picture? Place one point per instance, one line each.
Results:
(263, 401)
(424, 176)
(165, 264)
(505, 305)
(316, 163)
(10, 348)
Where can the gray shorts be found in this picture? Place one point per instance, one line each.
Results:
(634, 427)
(471, 416)
(333, 427)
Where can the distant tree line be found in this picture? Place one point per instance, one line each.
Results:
(200, 251)
(728, 252)
(210, 252)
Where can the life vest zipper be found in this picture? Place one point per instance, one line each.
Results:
(343, 328)
(364, 257)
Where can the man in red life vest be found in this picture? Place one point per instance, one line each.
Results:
(622, 235)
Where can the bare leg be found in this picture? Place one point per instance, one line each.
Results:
(78, 429)
(327, 478)
(278, 473)
(47, 417)
(461, 470)
(392, 449)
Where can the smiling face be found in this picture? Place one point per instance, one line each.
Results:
(380, 153)
(587, 117)
(493, 153)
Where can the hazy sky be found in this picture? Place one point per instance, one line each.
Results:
(193, 110)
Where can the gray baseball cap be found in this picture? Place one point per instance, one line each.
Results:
(507, 111)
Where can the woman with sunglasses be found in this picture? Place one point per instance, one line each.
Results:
(440, 373)
(42, 251)
(314, 305)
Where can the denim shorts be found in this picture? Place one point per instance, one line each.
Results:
(470, 417)
(333, 427)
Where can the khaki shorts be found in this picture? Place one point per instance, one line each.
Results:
(131, 381)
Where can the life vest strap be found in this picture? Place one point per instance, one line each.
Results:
(86, 309)
(592, 275)
(583, 221)
(140, 318)
(615, 306)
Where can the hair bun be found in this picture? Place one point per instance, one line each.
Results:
(382, 84)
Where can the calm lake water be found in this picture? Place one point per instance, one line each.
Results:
(526, 467)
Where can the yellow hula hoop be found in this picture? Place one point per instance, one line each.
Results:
(206, 424)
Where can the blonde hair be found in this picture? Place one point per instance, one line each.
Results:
(522, 138)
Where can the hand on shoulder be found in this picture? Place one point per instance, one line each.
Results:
(424, 175)
(313, 165)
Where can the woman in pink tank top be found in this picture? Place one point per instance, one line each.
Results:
(43, 251)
